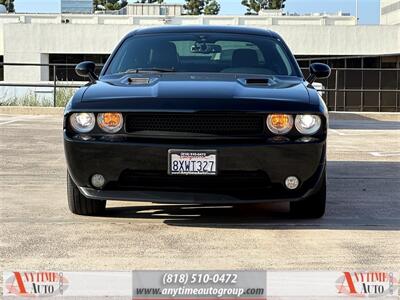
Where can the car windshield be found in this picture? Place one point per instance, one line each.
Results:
(208, 52)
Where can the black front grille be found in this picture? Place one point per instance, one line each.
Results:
(196, 123)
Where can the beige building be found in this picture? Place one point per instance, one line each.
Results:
(390, 12)
(58, 38)
(146, 9)
(67, 39)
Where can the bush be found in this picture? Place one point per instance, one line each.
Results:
(63, 96)
(30, 99)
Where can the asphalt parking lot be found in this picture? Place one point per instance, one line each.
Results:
(361, 230)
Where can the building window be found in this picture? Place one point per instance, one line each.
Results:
(66, 71)
(372, 62)
(390, 8)
(389, 62)
(353, 62)
(164, 11)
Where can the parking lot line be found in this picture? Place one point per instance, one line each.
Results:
(10, 121)
(384, 154)
(336, 131)
(4, 119)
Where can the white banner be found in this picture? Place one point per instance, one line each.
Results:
(150, 285)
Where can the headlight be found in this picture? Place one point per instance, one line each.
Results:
(279, 123)
(308, 124)
(110, 122)
(82, 122)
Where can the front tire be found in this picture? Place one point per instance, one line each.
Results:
(79, 204)
(312, 207)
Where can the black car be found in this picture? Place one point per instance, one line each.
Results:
(198, 115)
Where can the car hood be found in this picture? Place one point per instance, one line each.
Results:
(204, 86)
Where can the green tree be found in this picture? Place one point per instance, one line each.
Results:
(211, 7)
(150, 1)
(254, 6)
(9, 4)
(194, 7)
(277, 4)
(110, 4)
(124, 3)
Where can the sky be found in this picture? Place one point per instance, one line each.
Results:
(368, 9)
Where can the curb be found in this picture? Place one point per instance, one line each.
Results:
(34, 110)
(31, 110)
(365, 116)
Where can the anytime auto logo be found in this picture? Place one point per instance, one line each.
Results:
(367, 284)
(36, 284)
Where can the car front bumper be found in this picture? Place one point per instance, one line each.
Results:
(249, 172)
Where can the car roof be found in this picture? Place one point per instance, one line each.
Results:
(203, 29)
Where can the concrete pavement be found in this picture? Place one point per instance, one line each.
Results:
(361, 230)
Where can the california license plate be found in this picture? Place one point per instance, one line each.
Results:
(192, 162)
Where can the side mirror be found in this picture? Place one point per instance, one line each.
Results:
(86, 69)
(318, 70)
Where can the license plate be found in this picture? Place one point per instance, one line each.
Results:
(192, 162)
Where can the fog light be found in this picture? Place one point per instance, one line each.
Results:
(98, 181)
(279, 139)
(306, 139)
(292, 182)
(83, 137)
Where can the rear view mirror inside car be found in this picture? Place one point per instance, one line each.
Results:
(206, 48)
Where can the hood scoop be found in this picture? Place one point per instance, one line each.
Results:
(257, 81)
(138, 81)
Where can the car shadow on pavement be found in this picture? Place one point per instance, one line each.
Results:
(359, 122)
(361, 195)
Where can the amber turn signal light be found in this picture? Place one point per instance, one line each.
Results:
(110, 122)
(279, 123)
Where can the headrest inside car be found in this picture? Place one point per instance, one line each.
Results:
(242, 58)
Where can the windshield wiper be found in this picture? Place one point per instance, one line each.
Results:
(139, 70)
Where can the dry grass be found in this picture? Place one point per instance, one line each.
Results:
(30, 99)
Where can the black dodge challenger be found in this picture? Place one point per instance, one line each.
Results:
(198, 115)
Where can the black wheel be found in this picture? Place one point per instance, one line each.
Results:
(313, 207)
(79, 204)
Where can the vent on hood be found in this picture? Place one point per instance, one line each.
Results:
(138, 81)
(257, 81)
